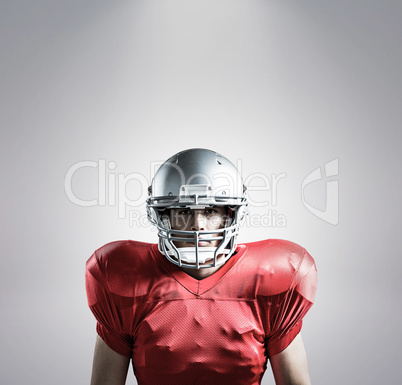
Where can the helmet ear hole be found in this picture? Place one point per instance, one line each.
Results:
(165, 221)
(229, 216)
(241, 213)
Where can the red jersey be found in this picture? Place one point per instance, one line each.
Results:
(218, 330)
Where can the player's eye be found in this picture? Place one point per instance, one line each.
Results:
(210, 211)
(184, 212)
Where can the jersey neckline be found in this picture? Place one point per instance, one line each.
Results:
(195, 286)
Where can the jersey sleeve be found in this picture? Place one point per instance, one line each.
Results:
(112, 311)
(287, 312)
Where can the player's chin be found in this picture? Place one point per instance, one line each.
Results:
(206, 244)
(200, 244)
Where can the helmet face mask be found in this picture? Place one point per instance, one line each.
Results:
(197, 181)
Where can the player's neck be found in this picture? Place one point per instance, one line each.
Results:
(205, 272)
(200, 273)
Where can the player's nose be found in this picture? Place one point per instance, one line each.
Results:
(198, 222)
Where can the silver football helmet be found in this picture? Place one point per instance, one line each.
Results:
(197, 179)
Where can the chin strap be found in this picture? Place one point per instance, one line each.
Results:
(188, 254)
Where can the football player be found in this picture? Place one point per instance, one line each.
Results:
(198, 308)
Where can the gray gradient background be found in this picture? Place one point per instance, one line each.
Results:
(285, 86)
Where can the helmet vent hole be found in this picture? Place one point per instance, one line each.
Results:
(217, 161)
